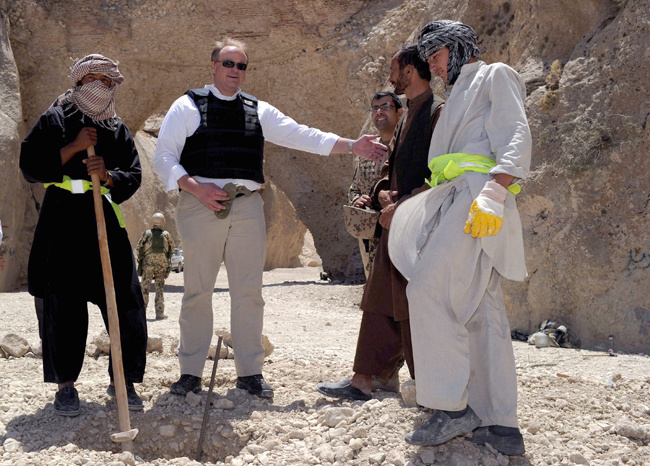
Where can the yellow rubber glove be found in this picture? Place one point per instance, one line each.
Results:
(486, 214)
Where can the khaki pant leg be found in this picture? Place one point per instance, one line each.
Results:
(244, 259)
(203, 236)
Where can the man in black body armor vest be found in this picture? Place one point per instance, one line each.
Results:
(155, 250)
(211, 147)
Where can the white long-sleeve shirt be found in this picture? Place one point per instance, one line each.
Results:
(485, 115)
(183, 119)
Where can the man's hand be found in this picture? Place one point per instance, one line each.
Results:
(486, 213)
(386, 197)
(208, 193)
(87, 137)
(362, 201)
(95, 166)
(367, 148)
(386, 216)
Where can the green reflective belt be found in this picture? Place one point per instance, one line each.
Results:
(81, 186)
(449, 166)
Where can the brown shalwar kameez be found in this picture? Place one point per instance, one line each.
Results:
(385, 336)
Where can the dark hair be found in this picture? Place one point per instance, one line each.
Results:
(392, 95)
(408, 55)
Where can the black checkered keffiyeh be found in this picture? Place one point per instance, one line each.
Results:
(460, 38)
(93, 99)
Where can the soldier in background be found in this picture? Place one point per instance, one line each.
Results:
(154, 253)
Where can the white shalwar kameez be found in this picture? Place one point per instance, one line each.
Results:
(461, 337)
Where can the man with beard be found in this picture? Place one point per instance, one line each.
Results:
(65, 267)
(211, 146)
(385, 112)
(461, 338)
(385, 336)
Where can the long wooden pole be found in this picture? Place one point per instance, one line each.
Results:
(113, 319)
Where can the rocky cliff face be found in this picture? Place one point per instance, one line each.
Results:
(584, 208)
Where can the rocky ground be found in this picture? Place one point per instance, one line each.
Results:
(575, 407)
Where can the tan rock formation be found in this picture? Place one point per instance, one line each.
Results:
(13, 189)
(585, 208)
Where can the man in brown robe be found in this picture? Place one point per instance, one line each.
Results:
(385, 337)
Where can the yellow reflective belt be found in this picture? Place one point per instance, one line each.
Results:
(449, 166)
(81, 186)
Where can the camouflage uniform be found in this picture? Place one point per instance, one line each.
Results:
(154, 266)
(366, 174)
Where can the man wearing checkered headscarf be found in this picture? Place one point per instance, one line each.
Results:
(65, 269)
(93, 99)
(480, 147)
(460, 38)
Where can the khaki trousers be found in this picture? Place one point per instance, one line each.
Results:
(239, 241)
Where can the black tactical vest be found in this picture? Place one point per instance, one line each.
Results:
(228, 142)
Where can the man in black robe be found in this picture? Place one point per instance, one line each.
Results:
(65, 268)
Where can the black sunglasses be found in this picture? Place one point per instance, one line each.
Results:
(230, 64)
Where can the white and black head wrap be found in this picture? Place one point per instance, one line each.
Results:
(460, 38)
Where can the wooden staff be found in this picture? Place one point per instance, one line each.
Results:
(126, 436)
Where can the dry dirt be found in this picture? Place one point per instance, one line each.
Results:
(599, 416)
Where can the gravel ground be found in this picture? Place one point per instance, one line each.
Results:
(596, 411)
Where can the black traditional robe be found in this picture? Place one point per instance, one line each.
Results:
(64, 264)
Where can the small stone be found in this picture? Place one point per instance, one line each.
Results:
(428, 455)
(14, 345)
(36, 348)
(167, 431)
(325, 453)
(577, 458)
(127, 457)
(70, 448)
(377, 458)
(174, 347)
(628, 429)
(11, 445)
(223, 352)
(356, 444)
(533, 428)
(193, 399)
(255, 449)
(103, 342)
(154, 343)
(227, 337)
(297, 434)
(343, 454)
(268, 346)
(333, 416)
(409, 394)
(224, 403)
